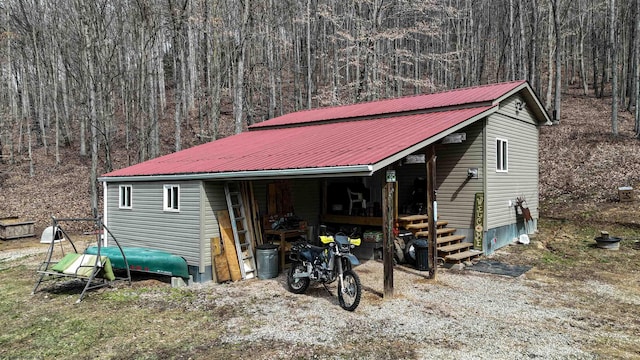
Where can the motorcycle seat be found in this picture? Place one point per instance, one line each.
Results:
(317, 249)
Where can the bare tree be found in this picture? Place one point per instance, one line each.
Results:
(614, 67)
(555, 6)
(637, 72)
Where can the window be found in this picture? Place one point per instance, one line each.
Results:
(502, 155)
(125, 197)
(171, 198)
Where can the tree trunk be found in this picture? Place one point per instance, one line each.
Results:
(637, 73)
(558, 59)
(309, 83)
(512, 44)
(241, 44)
(550, 50)
(12, 88)
(583, 72)
(614, 67)
(26, 116)
(93, 116)
(56, 116)
(524, 71)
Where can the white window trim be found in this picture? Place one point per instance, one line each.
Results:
(168, 202)
(122, 188)
(504, 157)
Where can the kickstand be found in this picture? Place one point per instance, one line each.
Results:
(326, 288)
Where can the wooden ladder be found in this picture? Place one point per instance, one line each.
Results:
(241, 234)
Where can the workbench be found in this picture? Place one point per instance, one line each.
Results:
(282, 236)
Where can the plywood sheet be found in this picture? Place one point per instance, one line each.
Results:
(220, 260)
(229, 244)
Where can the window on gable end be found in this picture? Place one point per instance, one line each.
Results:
(502, 155)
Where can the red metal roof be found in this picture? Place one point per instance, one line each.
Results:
(324, 145)
(471, 95)
(320, 144)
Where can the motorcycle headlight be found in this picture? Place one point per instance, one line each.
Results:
(343, 243)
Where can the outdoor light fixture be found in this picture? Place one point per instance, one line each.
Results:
(455, 138)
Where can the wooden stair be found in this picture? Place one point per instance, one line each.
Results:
(452, 248)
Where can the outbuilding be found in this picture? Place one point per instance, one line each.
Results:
(329, 165)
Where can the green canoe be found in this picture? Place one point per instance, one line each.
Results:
(143, 259)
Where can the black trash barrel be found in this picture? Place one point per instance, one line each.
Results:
(267, 261)
(422, 254)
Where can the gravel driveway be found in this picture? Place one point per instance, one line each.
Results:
(462, 315)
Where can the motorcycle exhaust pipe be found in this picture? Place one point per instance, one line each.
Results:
(301, 275)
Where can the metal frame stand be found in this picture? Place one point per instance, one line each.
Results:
(92, 282)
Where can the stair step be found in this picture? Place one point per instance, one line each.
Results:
(412, 218)
(455, 247)
(458, 257)
(449, 239)
(439, 232)
(424, 225)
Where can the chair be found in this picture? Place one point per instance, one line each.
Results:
(356, 198)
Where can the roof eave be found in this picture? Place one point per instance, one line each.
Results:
(337, 171)
(432, 140)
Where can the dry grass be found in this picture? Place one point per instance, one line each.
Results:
(604, 285)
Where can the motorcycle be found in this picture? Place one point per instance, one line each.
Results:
(326, 264)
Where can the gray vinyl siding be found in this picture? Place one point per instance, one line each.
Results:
(521, 180)
(147, 225)
(508, 107)
(456, 193)
(213, 200)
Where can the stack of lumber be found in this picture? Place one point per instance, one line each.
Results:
(223, 249)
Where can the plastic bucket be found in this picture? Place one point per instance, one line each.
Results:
(267, 261)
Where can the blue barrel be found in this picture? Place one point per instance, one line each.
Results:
(267, 261)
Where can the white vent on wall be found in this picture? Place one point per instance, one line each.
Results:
(455, 138)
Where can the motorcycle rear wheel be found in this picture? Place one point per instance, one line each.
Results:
(297, 285)
(350, 291)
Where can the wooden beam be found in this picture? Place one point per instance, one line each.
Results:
(388, 212)
(431, 208)
(352, 220)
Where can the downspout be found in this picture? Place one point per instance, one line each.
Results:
(485, 182)
(104, 212)
(203, 241)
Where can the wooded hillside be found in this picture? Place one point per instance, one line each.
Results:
(103, 84)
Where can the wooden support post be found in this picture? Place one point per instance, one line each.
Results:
(388, 212)
(432, 221)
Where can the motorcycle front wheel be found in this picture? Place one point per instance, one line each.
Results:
(350, 291)
(297, 285)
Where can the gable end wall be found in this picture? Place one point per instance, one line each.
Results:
(520, 130)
